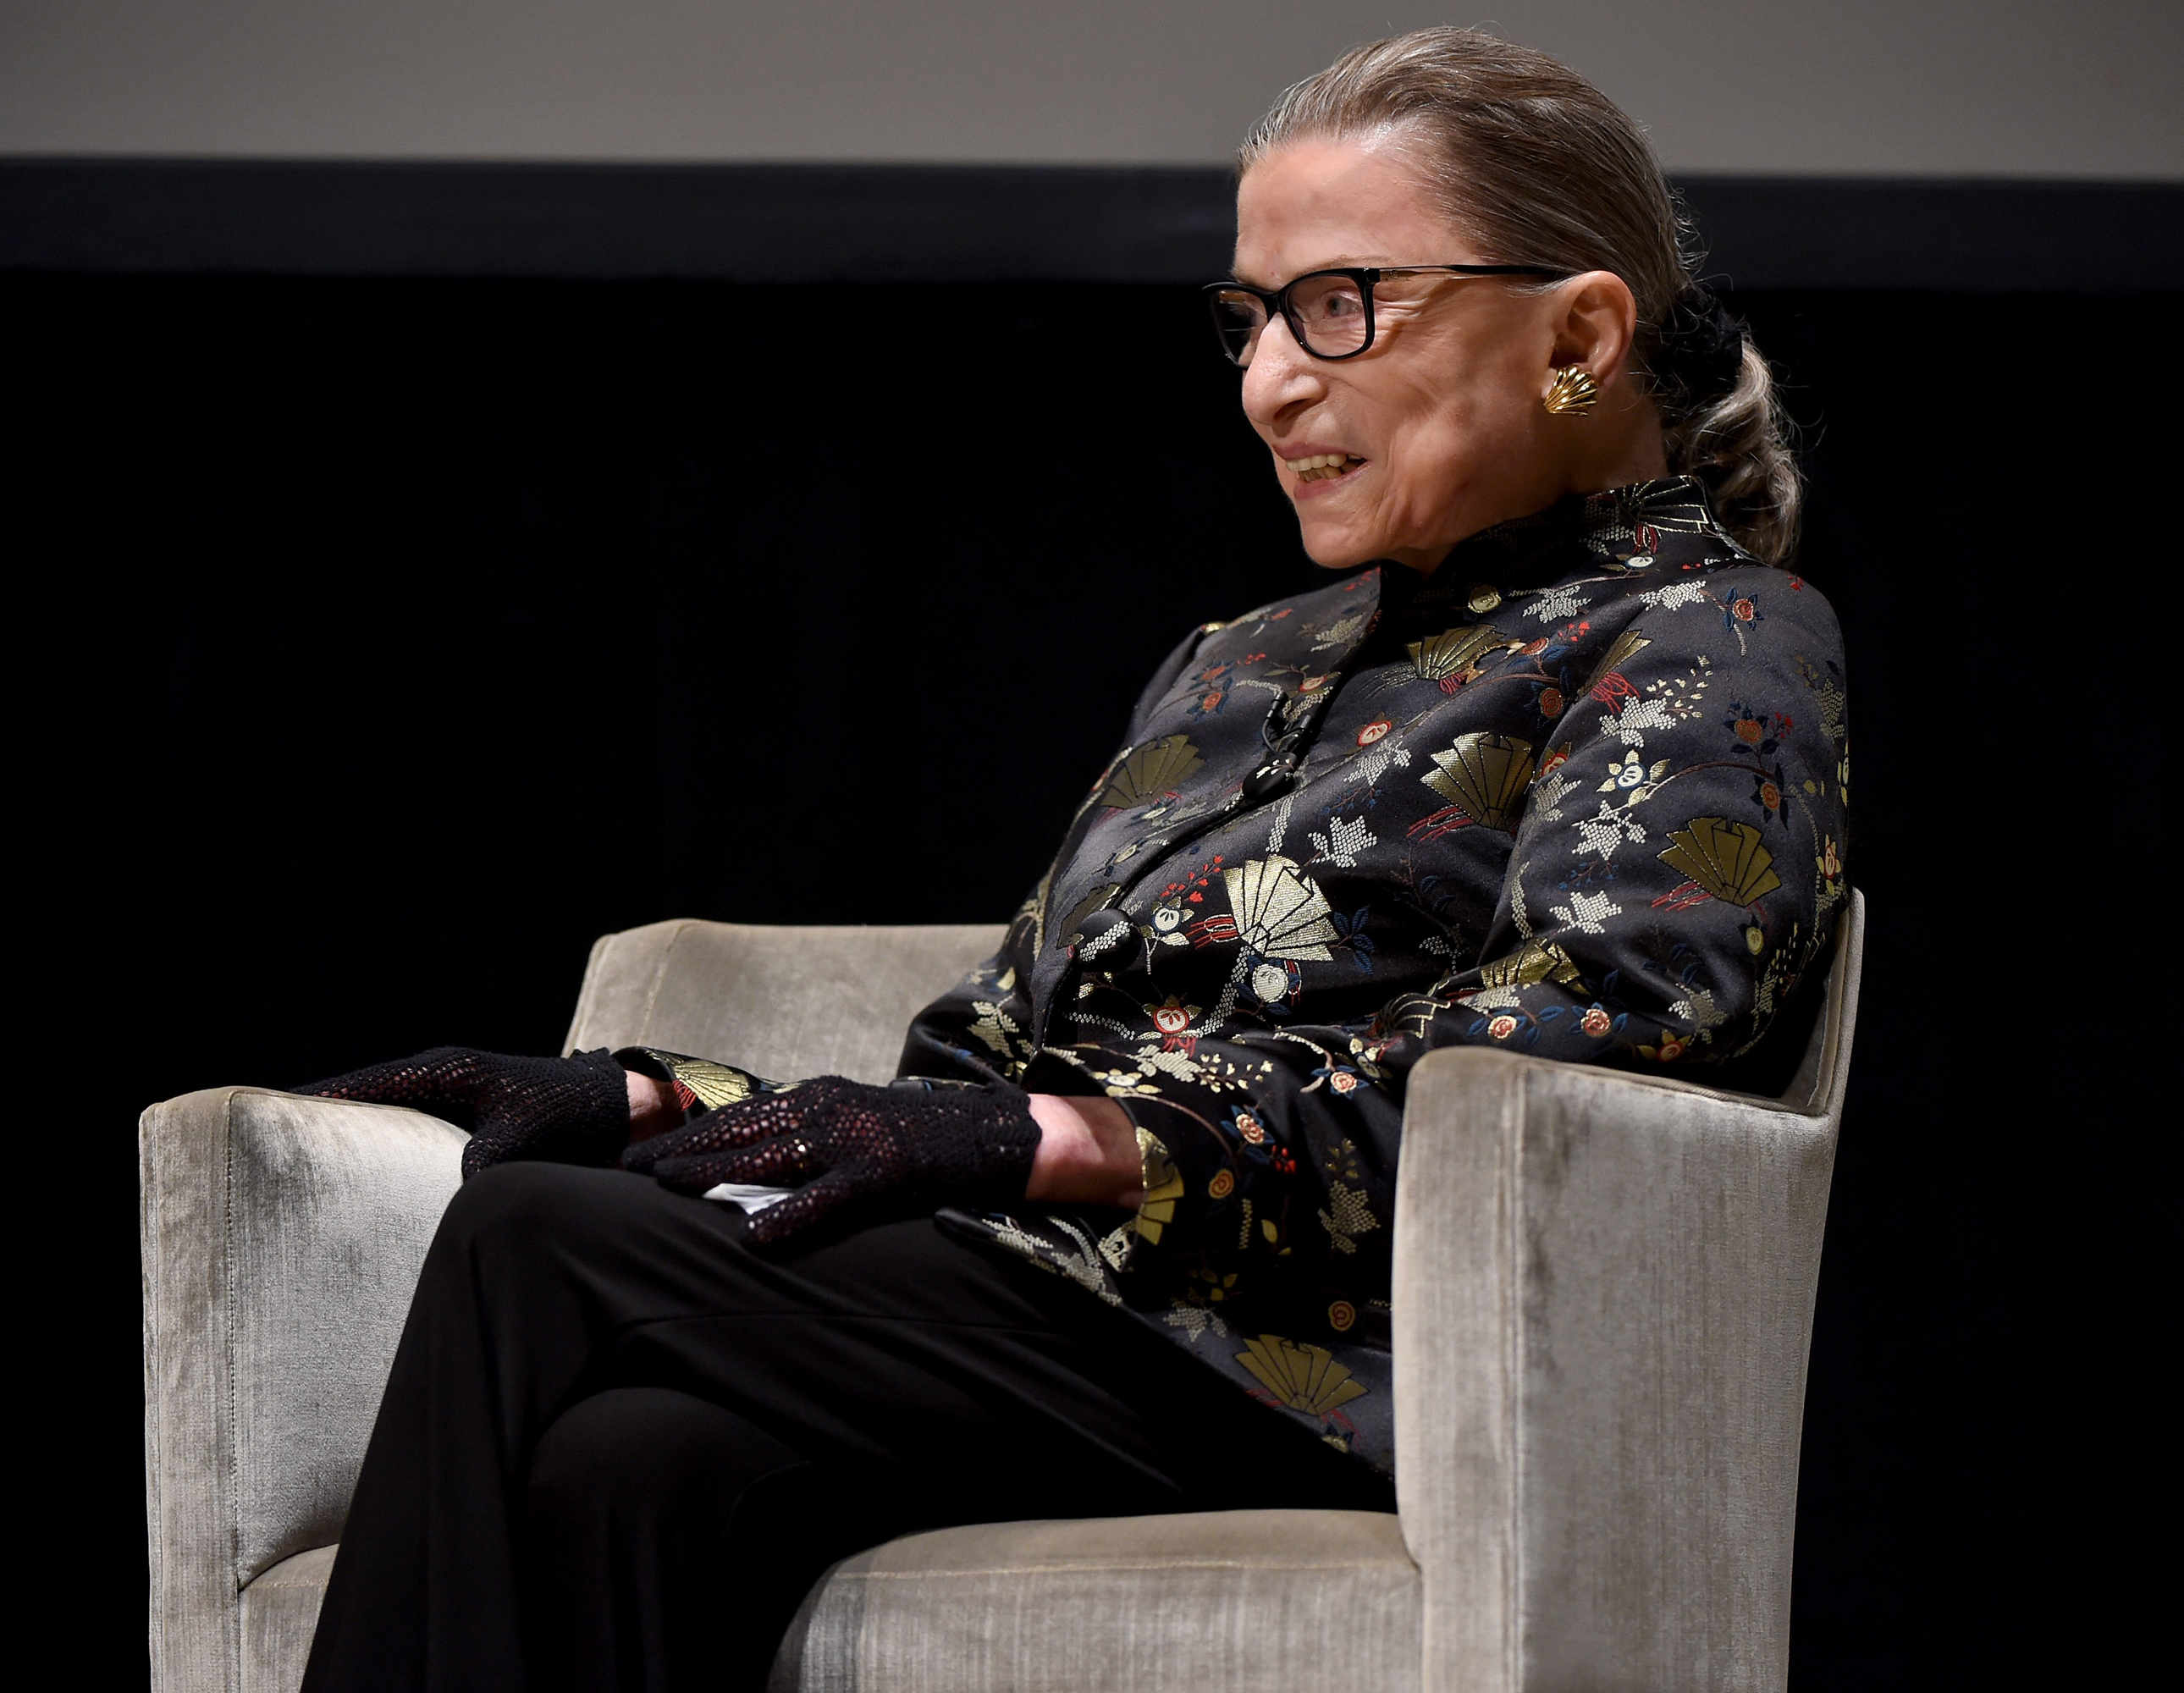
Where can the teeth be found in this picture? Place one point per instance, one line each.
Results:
(1319, 465)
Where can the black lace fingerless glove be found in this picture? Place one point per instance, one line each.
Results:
(565, 1110)
(840, 1143)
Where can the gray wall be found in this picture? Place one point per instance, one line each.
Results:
(2009, 87)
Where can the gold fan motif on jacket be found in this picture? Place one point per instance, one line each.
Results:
(715, 1084)
(1163, 1187)
(1305, 1379)
(1530, 963)
(1723, 859)
(1438, 657)
(1153, 772)
(1280, 914)
(1484, 776)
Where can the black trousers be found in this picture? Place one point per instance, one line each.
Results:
(619, 1445)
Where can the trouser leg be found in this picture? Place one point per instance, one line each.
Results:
(897, 1363)
(517, 1296)
(668, 1541)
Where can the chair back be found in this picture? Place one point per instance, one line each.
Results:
(783, 1003)
(1816, 1088)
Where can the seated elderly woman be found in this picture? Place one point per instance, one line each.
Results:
(1556, 764)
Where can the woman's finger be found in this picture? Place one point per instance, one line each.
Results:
(746, 1123)
(808, 1205)
(784, 1161)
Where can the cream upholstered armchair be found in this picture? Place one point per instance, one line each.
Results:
(1603, 1297)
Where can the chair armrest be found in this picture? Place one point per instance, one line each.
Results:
(1603, 1297)
(282, 1239)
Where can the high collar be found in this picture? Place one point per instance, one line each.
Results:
(1615, 530)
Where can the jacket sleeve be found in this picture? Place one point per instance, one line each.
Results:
(1680, 857)
(1269, 1146)
(1674, 871)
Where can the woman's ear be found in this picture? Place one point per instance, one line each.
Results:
(1597, 325)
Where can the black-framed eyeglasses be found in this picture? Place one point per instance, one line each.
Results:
(1330, 312)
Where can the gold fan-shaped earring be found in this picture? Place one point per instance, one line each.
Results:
(1572, 393)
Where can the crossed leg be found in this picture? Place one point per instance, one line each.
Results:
(618, 1444)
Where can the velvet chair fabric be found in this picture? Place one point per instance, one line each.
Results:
(1603, 1302)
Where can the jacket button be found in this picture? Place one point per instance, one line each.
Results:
(1109, 936)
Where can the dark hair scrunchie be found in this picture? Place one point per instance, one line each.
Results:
(1701, 344)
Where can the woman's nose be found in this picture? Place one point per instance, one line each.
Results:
(1280, 373)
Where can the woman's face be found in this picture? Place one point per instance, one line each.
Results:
(1438, 428)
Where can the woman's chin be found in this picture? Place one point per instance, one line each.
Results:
(1341, 524)
(1340, 546)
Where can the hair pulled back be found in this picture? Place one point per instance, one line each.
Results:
(1537, 166)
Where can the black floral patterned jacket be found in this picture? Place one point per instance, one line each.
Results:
(1581, 793)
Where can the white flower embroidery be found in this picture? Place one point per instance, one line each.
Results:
(1630, 777)
(1669, 596)
(1700, 1012)
(994, 1027)
(1389, 752)
(1547, 797)
(1195, 1320)
(1344, 841)
(1555, 602)
(1180, 1065)
(1347, 1217)
(1588, 912)
(1084, 1268)
(1628, 726)
(1606, 832)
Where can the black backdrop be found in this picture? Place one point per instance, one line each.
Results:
(377, 644)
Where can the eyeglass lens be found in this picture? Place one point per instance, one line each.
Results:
(1326, 313)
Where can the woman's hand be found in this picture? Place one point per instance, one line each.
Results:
(848, 1145)
(837, 1144)
(566, 1110)
(1088, 1153)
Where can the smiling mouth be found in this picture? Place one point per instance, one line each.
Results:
(1323, 466)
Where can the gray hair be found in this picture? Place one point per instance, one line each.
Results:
(1537, 166)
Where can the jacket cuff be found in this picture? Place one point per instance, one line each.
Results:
(701, 1084)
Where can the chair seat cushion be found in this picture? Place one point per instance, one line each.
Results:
(1233, 1601)
(1229, 1601)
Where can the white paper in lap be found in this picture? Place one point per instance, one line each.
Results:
(754, 1199)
